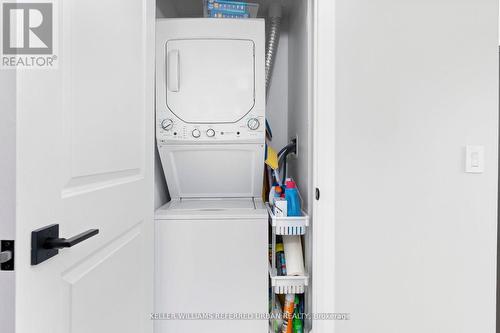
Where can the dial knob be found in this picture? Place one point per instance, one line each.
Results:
(196, 133)
(210, 132)
(167, 124)
(253, 123)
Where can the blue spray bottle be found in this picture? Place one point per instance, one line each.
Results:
(293, 199)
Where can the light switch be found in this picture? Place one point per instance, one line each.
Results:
(474, 159)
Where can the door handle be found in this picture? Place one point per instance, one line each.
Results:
(45, 242)
(5, 256)
(173, 71)
(60, 243)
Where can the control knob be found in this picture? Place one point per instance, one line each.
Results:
(210, 133)
(196, 133)
(253, 123)
(167, 124)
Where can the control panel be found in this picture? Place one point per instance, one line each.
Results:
(171, 129)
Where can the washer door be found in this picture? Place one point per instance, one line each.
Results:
(210, 80)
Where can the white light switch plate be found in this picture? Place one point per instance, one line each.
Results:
(474, 159)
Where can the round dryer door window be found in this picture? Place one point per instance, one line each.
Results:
(210, 80)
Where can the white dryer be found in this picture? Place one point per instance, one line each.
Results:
(211, 238)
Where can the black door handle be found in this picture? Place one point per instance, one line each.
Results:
(45, 242)
(59, 243)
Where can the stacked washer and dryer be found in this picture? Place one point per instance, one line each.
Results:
(212, 237)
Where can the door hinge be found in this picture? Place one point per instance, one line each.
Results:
(317, 195)
(7, 255)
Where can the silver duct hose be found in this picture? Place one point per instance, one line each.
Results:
(272, 40)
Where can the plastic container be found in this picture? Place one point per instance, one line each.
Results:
(293, 199)
(229, 9)
(288, 225)
(288, 284)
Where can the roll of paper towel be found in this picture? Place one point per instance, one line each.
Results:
(293, 255)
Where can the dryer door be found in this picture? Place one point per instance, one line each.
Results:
(210, 80)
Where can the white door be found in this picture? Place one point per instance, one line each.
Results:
(84, 160)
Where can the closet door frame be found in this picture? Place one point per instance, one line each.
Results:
(323, 105)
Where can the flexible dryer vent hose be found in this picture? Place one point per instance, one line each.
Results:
(272, 39)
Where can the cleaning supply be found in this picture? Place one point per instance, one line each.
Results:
(293, 255)
(272, 194)
(230, 9)
(280, 259)
(297, 325)
(280, 207)
(275, 193)
(292, 198)
(302, 309)
(271, 158)
(288, 313)
(277, 316)
(278, 192)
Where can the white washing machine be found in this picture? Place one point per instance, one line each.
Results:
(211, 239)
(212, 260)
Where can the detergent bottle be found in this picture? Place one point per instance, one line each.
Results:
(292, 198)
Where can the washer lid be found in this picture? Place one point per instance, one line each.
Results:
(210, 80)
(213, 170)
(224, 208)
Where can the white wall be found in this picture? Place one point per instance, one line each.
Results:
(299, 113)
(415, 235)
(7, 191)
(277, 102)
(165, 9)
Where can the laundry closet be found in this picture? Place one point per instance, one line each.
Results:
(233, 124)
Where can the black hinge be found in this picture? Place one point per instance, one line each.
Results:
(7, 255)
(317, 193)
